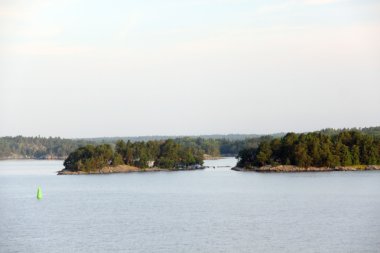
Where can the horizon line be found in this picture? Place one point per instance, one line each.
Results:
(188, 135)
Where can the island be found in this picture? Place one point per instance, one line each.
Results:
(130, 156)
(349, 150)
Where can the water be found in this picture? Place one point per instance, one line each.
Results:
(213, 210)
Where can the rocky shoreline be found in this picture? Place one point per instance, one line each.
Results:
(291, 168)
(123, 169)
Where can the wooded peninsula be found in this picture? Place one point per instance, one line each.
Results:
(347, 150)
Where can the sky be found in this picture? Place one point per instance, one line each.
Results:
(89, 68)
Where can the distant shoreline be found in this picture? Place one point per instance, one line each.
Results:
(291, 168)
(35, 159)
(209, 157)
(31, 158)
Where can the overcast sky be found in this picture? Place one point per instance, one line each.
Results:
(87, 68)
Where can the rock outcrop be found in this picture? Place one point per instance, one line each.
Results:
(292, 168)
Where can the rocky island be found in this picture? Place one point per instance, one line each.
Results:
(313, 152)
(125, 169)
(132, 157)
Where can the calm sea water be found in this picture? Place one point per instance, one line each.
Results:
(213, 210)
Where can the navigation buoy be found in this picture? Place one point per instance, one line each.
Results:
(39, 193)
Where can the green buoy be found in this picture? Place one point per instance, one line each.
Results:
(39, 193)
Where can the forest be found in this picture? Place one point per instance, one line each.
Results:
(20, 147)
(318, 149)
(163, 154)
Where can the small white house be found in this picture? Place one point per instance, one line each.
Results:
(150, 164)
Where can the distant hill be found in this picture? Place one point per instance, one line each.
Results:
(230, 137)
(20, 147)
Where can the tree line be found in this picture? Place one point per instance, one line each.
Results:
(213, 145)
(348, 147)
(43, 148)
(163, 154)
(38, 147)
